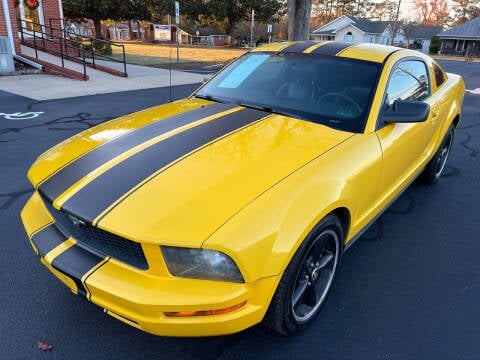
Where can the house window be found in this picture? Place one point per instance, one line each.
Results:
(348, 36)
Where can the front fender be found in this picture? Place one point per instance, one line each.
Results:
(264, 235)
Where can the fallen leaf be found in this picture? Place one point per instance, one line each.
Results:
(44, 346)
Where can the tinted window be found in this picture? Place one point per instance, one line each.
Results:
(439, 75)
(333, 91)
(408, 81)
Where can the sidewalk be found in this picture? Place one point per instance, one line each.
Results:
(455, 58)
(46, 87)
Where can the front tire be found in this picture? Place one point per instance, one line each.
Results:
(307, 280)
(434, 168)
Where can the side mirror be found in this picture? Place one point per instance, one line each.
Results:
(406, 111)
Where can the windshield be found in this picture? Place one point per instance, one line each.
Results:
(333, 91)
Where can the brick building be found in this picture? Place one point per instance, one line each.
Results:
(13, 11)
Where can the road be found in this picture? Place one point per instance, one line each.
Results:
(409, 289)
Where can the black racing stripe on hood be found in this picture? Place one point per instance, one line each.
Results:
(76, 170)
(90, 201)
(331, 49)
(47, 239)
(75, 262)
(299, 47)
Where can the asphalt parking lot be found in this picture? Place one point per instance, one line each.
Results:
(409, 289)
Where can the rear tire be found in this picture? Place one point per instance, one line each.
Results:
(434, 168)
(307, 280)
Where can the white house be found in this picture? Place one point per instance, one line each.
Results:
(417, 36)
(356, 30)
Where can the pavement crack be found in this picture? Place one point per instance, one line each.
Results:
(85, 120)
(473, 152)
(10, 198)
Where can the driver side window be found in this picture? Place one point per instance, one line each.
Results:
(408, 81)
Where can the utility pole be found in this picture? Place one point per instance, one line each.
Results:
(395, 23)
(251, 28)
(177, 21)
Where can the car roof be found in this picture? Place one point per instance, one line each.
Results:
(362, 51)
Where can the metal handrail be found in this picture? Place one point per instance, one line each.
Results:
(45, 38)
(85, 45)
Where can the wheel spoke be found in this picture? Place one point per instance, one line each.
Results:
(319, 248)
(299, 292)
(310, 297)
(322, 281)
(324, 260)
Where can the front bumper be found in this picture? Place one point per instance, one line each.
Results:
(141, 298)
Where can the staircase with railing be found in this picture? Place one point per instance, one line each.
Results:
(64, 43)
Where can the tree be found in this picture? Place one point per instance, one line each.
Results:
(356, 8)
(385, 10)
(432, 12)
(323, 11)
(408, 29)
(465, 10)
(299, 19)
(98, 10)
(227, 12)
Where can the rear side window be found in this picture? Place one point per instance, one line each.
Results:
(439, 75)
(408, 81)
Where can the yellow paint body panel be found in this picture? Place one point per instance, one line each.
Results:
(220, 172)
(66, 151)
(274, 46)
(254, 194)
(140, 298)
(368, 52)
(105, 167)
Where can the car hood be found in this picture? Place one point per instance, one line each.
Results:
(174, 174)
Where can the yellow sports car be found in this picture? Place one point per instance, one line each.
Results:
(211, 214)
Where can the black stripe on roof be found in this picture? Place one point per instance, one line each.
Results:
(67, 176)
(75, 262)
(332, 48)
(103, 191)
(299, 47)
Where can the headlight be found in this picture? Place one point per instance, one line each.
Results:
(200, 264)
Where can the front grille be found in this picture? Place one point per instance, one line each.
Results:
(99, 240)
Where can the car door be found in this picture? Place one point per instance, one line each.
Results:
(404, 145)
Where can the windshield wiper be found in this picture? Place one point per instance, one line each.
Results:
(209, 97)
(267, 108)
(258, 107)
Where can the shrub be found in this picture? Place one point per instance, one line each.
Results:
(434, 45)
(103, 48)
(100, 47)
